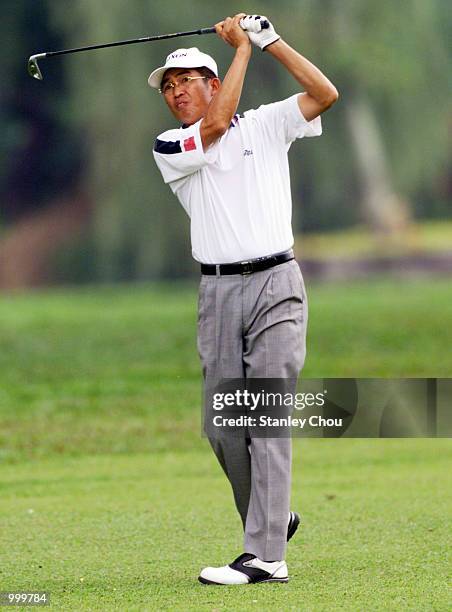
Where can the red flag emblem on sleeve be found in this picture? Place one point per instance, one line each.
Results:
(190, 144)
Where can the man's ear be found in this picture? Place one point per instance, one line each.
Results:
(215, 85)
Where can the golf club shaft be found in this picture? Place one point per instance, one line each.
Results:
(211, 30)
(130, 42)
(35, 72)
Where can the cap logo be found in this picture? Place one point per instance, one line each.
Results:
(174, 55)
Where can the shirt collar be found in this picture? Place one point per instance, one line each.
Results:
(235, 120)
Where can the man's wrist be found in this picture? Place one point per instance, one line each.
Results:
(273, 45)
(244, 50)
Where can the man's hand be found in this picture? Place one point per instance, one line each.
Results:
(231, 32)
(258, 36)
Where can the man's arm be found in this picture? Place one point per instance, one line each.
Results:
(320, 92)
(224, 104)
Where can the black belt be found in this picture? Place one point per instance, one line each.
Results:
(248, 267)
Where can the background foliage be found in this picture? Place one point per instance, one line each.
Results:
(89, 127)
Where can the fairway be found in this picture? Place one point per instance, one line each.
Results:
(111, 500)
(132, 532)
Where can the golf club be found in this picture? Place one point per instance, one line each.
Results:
(34, 70)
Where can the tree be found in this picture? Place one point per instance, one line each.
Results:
(390, 64)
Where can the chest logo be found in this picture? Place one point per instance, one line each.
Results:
(247, 152)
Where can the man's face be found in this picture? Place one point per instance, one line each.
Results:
(188, 101)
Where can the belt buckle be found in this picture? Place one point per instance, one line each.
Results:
(247, 267)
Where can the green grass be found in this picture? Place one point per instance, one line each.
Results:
(94, 371)
(132, 532)
(111, 500)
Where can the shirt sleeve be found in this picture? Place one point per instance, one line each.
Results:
(179, 153)
(285, 120)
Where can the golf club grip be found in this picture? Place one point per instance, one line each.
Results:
(264, 25)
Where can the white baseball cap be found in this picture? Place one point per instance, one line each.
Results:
(183, 58)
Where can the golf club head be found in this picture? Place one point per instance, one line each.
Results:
(33, 68)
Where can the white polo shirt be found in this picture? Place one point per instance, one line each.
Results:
(237, 193)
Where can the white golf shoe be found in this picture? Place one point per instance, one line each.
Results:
(246, 569)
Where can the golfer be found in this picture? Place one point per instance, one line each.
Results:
(230, 173)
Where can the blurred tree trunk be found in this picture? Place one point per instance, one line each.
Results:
(383, 209)
(380, 206)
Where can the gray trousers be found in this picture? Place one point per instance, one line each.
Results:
(254, 326)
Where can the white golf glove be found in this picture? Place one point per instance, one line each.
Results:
(258, 36)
